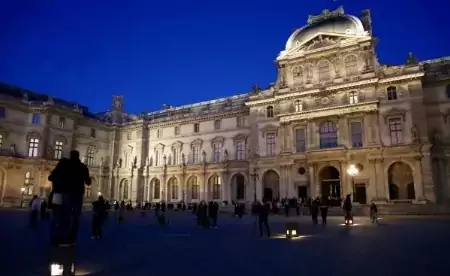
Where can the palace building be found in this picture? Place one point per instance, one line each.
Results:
(335, 122)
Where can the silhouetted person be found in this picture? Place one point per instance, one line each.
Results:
(263, 218)
(324, 211)
(373, 212)
(215, 214)
(69, 179)
(98, 217)
(315, 210)
(35, 207)
(347, 206)
(44, 209)
(286, 208)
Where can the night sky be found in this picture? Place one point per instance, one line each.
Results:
(183, 51)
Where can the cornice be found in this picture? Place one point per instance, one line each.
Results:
(401, 78)
(330, 111)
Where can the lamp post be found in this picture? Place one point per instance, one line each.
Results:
(255, 176)
(22, 191)
(352, 170)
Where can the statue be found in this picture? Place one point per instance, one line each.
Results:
(281, 76)
(135, 162)
(255, 89)
(12, 149)
(415, 134)
(117, 103)
(119, 165)
(147, 162)
(183, 158)
(204, 155)
(411, 59)
(101, 162)
(165, 160)
(225, 155)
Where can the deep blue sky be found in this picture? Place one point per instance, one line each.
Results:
(182, 51)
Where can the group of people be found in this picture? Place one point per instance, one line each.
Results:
(206, 214)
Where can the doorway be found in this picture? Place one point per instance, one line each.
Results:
(302, 192)
(268, 194)
(330, 185)
(360, 193)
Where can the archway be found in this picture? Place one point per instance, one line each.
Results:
(123, 190)
(193, 189)
(330, 184)
(271, 186)
(155, 186)
(214, 185)
(173, 188)
(401, 182)
(238, 187)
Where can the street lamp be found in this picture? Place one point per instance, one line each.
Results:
(22, 190)
(99, 193)
(255, 176)
(352, 170)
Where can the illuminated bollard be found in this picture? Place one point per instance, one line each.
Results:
(292, 230)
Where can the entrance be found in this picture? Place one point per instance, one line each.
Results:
(302, 192)
(268, 194)
(360, 193)
(330, 185)
(271, 190)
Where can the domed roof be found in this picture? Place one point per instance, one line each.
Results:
(335, 22)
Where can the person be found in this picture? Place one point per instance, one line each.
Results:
(347, 206)
(315, 210)
(122, 209)
(35, 208)
(215, 214)
(324, 210)
(98, 216)
(374, 212)
(44, 213)
(68, 183)
(263, 218)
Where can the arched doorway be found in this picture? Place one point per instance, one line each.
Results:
(330, 184)
(401, 182)
(271, 188)
(193, 188)
(123, 190)
(173, 188)
(214, 185)
(238, 187)
(155, 186)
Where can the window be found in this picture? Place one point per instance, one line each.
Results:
(90, 156)
(2, 112)
(195, 188)
(176, 130)
(1, 140)
(396, 132)
(270, 143)
(309, 72)
(353, 97)
(351, 65)
(324, 71)
(58, 149)
(240, 121)
(93, 134)
(196, 154)
(28, 184)
(240, 150)
(300, 140)
(88, 191)
(298, 75)
(129, 135)
(269, 112)
(62, 122)
(217, 150)
(159, 133)
(215, 181)
(391, 93)
(35, 119)
(173, 185)
(447, 91)
(356, 132)
(176, 156)
(298, 106)
(196, 127)
(217, 124)
(156, 189)
(328, 135)
(33, 147)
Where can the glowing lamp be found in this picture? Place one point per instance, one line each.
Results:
(348, 221)
(57, 269)
(22, 189)
(99, 193)
(292, 230)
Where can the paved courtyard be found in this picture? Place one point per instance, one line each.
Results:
(139, 247)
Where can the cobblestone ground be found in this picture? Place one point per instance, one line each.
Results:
(417, 246)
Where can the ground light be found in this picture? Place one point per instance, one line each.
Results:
(57, 269)
(292, 230)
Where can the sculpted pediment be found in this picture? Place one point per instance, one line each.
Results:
(160, 146)
(177, 144)
(217, 140)
(240, 136)
(269, 128)
(394, 112)
(197, 142)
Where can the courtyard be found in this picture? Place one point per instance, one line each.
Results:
(140, 247)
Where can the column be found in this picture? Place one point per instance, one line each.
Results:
(418, 181)
(311, 133)
(100, 182)
(373, 193)
(290, 185)
(312, 182)
(346, 181)
(427, 178)
(205, 188)
(343, 132)
(224, 188)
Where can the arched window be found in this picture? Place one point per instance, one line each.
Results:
(328, 135)
(173, 185)
(324, 70)
(298, 106)
(195, 188)
(298, 74)
(125, 190)
(391, 93)
(156, 189)
(215, 186)
(351, 65)
(269, 111)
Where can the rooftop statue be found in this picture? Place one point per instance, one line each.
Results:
(326, 14)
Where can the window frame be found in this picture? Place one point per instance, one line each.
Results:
(33, 146)
(271, 148)
(398, 122)
(58, 150)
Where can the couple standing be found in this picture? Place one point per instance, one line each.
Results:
(66, 199)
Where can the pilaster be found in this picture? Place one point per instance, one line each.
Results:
(343, 132)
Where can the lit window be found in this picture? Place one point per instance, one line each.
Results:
(87, 191)
(62, 122)
(396, 131)
(36, 118)
(269, 112)
(33, 147)
(298, 106)
(270, 143)
(391, 93)
(28, 183)
(90, 156)
(58, 149)
(353, 97)
(240, 150)
(1, 140)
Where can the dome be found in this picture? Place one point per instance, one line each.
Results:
(335, 22)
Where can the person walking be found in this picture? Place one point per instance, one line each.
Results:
(98, 217)
(69, 179)
(263, 218)
(324, 210)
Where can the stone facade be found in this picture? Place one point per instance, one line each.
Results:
(334, 122)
